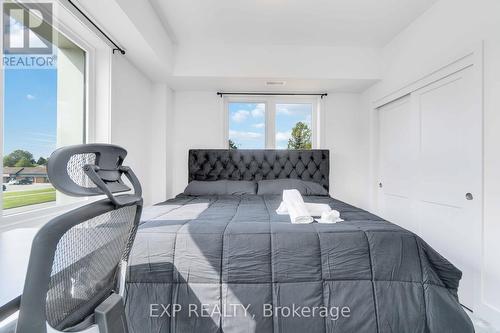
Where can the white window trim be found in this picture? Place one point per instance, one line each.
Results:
(270, 115)
(97, 106)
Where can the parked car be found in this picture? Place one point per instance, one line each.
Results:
(24, 181)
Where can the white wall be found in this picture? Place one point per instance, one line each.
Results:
(160, 144)
(137, 29)
(140, 101)
(345, 134)
(198, 123)
(169, 130)
(70, 109)
(139, 111)
(448, 30)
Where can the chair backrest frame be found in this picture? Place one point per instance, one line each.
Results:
(33, 310)
(32, 316)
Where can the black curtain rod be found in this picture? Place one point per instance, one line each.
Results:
(271, 94)
(117, 48)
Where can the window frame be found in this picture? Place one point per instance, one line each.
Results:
(270, 115)
(96, 104)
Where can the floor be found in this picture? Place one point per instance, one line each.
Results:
(15, 246)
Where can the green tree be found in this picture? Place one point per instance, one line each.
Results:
(301, 137)
(16, 156)
(24, 162)
(41, 161)
(232, 145)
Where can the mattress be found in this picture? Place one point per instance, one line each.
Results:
(231, 264)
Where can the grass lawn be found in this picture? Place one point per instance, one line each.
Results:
(30, 197)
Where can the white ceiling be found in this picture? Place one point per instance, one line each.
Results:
(370, 23)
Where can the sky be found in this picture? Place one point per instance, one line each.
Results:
(30, 102)
(247, 123)
(30, 111)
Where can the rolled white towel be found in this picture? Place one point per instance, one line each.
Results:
(282, 210)
(296, 207)
(314, 209)
(317, 209)
(332, 216)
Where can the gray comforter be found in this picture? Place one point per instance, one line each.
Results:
(231, 264)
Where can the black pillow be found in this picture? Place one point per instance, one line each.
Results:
(276, 186)
(221, 187)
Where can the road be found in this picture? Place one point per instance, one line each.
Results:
(14, 188)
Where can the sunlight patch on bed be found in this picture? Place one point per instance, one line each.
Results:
(186, 212)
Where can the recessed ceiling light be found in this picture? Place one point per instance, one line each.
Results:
(275, 83)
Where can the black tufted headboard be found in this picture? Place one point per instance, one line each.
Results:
(242, 164)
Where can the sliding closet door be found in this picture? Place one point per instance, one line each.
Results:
(448, 194)
(397, 152)
(430, 170)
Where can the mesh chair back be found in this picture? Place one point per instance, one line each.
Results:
(76, 257)
(85, 265)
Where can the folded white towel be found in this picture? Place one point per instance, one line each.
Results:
(332, 216)
(296, 207)
(282, 210)
(314, 209)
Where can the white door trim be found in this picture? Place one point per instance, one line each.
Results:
(474, 59)
(471, 58)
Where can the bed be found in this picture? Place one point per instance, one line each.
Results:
(229, 263)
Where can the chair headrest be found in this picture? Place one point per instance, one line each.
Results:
(88, 169)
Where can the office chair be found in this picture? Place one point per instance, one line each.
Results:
(78, 259)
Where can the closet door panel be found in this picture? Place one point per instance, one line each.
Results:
(396, 162)
(430, 170)
(448, 191)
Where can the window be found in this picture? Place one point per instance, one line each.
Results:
(294, 126)
(43, 108)
(247, 125)
(272, 123)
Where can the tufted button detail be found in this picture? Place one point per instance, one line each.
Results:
(214, 164)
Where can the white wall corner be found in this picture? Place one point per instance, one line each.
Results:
(135, 26)
(161, 142)
(346, 136)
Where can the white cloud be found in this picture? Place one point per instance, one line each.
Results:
(281, 109)
(294, 109)
(259, 125)
(17, 30)
(240, 115)
(283, 136)
(244, 135)
(16, 33)
(30, 97)
(258, 111)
